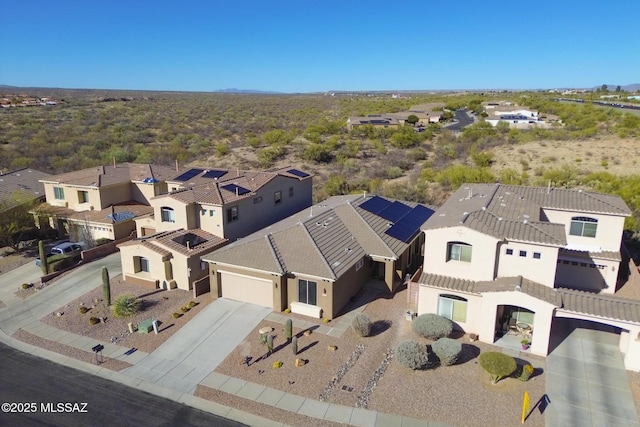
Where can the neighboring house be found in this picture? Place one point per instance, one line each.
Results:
(203, 210)
(515, 116)
(103, 201)
(316, 261)
(21, 186)
(498, 256)
(375, 120)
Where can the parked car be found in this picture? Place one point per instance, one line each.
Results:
(68, 249)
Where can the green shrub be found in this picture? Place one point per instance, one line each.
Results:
(26, 286)
(448, 350)
(83, 310)
(177, 315)
(498, 365)
(103, 241)
(184, 309)
(432, 326)
(526, 372)
(277, 365)
(192, 304)
(126, 306)
(413, 355)
(361, 324)
(94, 320)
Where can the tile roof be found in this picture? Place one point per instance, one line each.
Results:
(212, 191)
(606, 306)
(323, 241)
(20, 186)
(608, 255)
(195, 242)
(516, 213)
(136, 210)
(570, 300)
(107, 175)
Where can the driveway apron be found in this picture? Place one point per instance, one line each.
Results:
(586, 381)
(188, 356)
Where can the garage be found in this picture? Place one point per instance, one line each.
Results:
(246, 288)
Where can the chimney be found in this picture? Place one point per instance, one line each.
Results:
(177, 165)
(549, 187)
(114, 162)
(113, 214)
(188, 246)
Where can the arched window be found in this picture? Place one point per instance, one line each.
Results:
(167, 214)
(459, 251)
(452, 307)
(583, 226)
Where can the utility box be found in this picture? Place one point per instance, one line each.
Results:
(145, 326)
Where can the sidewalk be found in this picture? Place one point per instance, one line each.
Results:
(187, 359)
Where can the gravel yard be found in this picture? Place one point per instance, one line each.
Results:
(159, 305)
(458, 395)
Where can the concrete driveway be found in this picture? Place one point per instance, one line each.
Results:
(73, 285)
(191, 354)
(11, 280)
(586, 381)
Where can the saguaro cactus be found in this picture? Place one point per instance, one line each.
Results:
(270, 343)
(106, 286)
(294, 345)
(43, 258)
(288, 329)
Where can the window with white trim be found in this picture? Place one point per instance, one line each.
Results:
(58, 193)
(307, 291)
(167, 214)
(458, 251)
(583, 226)
(453, 307)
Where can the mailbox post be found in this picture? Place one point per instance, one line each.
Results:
(97, 349)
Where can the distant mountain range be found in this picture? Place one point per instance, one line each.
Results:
(233, 90)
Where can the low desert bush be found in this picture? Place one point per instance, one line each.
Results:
(498, 365)
(432, 326)
(185, 309)
(448, 350)
(26, 286)
(527, 371)
(192, 304)
(177, 315)
(83, 310)
(94, 320)
(277, 365)
(126, 306)
(361, 324)
(413, 355)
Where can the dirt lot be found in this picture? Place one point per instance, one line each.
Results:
(615, 155)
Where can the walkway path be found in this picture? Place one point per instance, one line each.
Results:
(586, 381)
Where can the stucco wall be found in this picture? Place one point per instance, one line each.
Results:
(180, 211)
(579, 273)
(113, 194)
(428, 300)
(608, 234)
(483, 256)
(542, 270)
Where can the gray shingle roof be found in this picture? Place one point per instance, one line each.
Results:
(516, 213)
(21, 186)
(323, 241)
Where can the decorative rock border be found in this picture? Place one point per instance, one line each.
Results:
(363, 399)
(351, 361)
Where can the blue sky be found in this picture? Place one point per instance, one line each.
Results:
(309, 46)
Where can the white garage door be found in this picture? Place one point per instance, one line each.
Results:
(246, 288)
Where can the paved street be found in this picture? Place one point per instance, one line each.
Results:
(29, 379)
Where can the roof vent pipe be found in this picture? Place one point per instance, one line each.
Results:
(549, 187)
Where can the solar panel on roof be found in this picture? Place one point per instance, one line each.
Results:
(121, 216)
(236, 189)
(188, 174)
(394, 211)
(408, 225)
(375, 204)
(214, 174)
(296, 172)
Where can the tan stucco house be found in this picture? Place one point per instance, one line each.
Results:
(315, 261)
(203, 210)
(102, 201)
(502, 258)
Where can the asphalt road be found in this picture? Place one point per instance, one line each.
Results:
(25, 379)
(463, 120)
